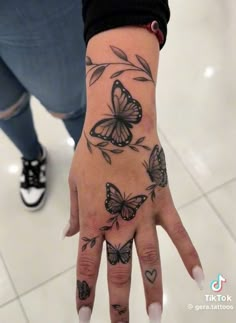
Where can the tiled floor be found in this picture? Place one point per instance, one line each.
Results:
(197, 119)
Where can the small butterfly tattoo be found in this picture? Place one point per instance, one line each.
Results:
(156, 169)
(83, 289)
(118, 205)
(118, 254)
(125, 112)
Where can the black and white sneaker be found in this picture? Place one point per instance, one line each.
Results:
(33, 182)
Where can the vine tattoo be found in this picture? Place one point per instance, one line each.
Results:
(89, 241)
(103, 147)
(96, 70)
(119, 309)
(120, 206)
(83, 289)
(151, 275)
(116, 254)
(156, 169)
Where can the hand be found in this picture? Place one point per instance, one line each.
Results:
(119, 186)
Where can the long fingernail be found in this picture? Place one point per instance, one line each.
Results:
(84, 314)
(154, 313)
(65, 230)
(198, 276)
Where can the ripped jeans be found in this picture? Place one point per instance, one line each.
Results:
(42, 54)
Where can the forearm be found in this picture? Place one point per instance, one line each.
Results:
(123, 59)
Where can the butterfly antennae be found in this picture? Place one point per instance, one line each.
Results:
(128, 196)
(110, 109)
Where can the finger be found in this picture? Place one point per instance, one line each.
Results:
(119, 264)
(149, 258)
(174, 227)
(73, 226)
(88, 262)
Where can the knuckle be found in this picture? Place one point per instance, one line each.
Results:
(179, 232)
(119, 277)
(148, 255)
(87, 266)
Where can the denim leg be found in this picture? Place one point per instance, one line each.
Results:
(44, 46)
(15, 115)
(20, 130)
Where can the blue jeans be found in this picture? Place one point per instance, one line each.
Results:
(42, 54)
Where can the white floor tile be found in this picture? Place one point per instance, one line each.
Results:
(216, 249)
(181, 184)
(6, 291)
(12, 313)
(224, 201)
(196, 95)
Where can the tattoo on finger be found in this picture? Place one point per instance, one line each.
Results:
(119, 309)
(83, 289)
(89, 241)
(122, 254)
(151, 275)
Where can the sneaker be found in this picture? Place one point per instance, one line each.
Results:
(33, 182)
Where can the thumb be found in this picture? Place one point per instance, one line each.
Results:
(73, 225)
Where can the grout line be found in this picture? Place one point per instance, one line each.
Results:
(14, 289)
(195, 199)
(220, 186)
(204, 194)
(8, 302)
(47, 281)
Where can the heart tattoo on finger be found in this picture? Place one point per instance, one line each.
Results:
(151, 275)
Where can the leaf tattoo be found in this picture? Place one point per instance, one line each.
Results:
(120, 206)
(89, 241)
(97, 70)
(119, 309)
(156, 170)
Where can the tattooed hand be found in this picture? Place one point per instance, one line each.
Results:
(118, 181)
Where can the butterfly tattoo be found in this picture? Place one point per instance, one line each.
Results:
(83, 289)
(156, 169)
(125, 112)
(118, 205)
(119, 309)
(118, 254)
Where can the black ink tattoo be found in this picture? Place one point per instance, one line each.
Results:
(116, 254)
(156, 169)
(102, 146)
(89, 241)
(120, 206)
(151, 275)
(119, 309)
(98, 69)
(125, 112)
(83, 289)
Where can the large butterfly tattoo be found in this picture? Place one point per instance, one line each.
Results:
(125, 112)
(118, 254)
(118, 205)
(156, 169)
(126, 207)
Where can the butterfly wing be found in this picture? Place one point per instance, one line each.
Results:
(125, 252)
(157, 167)
(124, 106)
(114, 199)
(104, 128)
(112, 254)
(131, 206)
(83, 289)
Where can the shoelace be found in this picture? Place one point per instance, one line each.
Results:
(31, 171)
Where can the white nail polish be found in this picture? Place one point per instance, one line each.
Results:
(198, 276)
(154, 313)
(65, 230)
(84, 314)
